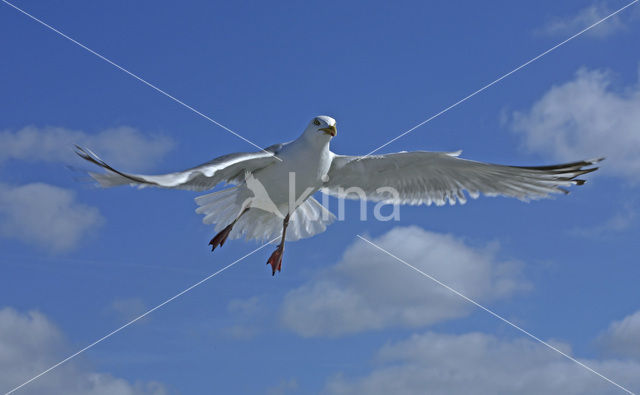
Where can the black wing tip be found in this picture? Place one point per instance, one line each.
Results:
(567, 166)
(88, 155)
(580, 181)
(568, 171)
(80, 151)
(572, 170)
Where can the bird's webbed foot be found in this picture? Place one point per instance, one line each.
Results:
(220, 238)
(275, 260)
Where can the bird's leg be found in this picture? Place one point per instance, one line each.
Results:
(221, 237)
(275, 260)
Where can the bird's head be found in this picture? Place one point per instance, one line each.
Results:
(321, 127)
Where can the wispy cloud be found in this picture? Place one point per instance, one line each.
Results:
(368, 290)
(248, 315)
(478, 363)
(128, 308)
(284, 387)
(569, 25)
(586, 117)
(48, 216)
(622, 338)
(31, 343)
(621, 221)
(122, 146)
(45, 216)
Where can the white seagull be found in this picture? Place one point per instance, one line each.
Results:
(260, 205)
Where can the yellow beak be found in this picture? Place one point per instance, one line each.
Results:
(330, 130)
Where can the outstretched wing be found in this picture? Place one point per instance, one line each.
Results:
(228, 168)
(423, 177)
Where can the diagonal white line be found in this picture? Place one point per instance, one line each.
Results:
(501, 78)
(108, 335)
(493, 314)
(137, 77)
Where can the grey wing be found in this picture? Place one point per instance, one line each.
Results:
(229, 168)
(423, 177)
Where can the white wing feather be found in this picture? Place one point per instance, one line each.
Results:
(422, 177)
(228, 168)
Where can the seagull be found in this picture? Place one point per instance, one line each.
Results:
(271, 190)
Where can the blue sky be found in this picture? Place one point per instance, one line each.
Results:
(79, 261)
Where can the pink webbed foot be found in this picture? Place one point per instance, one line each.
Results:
(275, 260)
(220, 238)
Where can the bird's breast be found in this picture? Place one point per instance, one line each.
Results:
(299, 171)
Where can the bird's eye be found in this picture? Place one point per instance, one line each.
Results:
(316, 122)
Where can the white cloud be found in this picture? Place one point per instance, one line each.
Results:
(45, 215)
(128, 309)
(619, 222)
(623, 337)
(586, 118)
(122, 146)
(369, 290)
(248, 315)
(284, 387)
(245, 307)
(568, 26)
(477, 363)
(30, 343)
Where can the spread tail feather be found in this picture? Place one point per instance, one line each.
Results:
(223, 207)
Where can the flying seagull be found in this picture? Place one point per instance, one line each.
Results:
(260, 205)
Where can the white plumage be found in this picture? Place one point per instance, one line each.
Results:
(255, 207)
(422, 177)
(223, 207)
